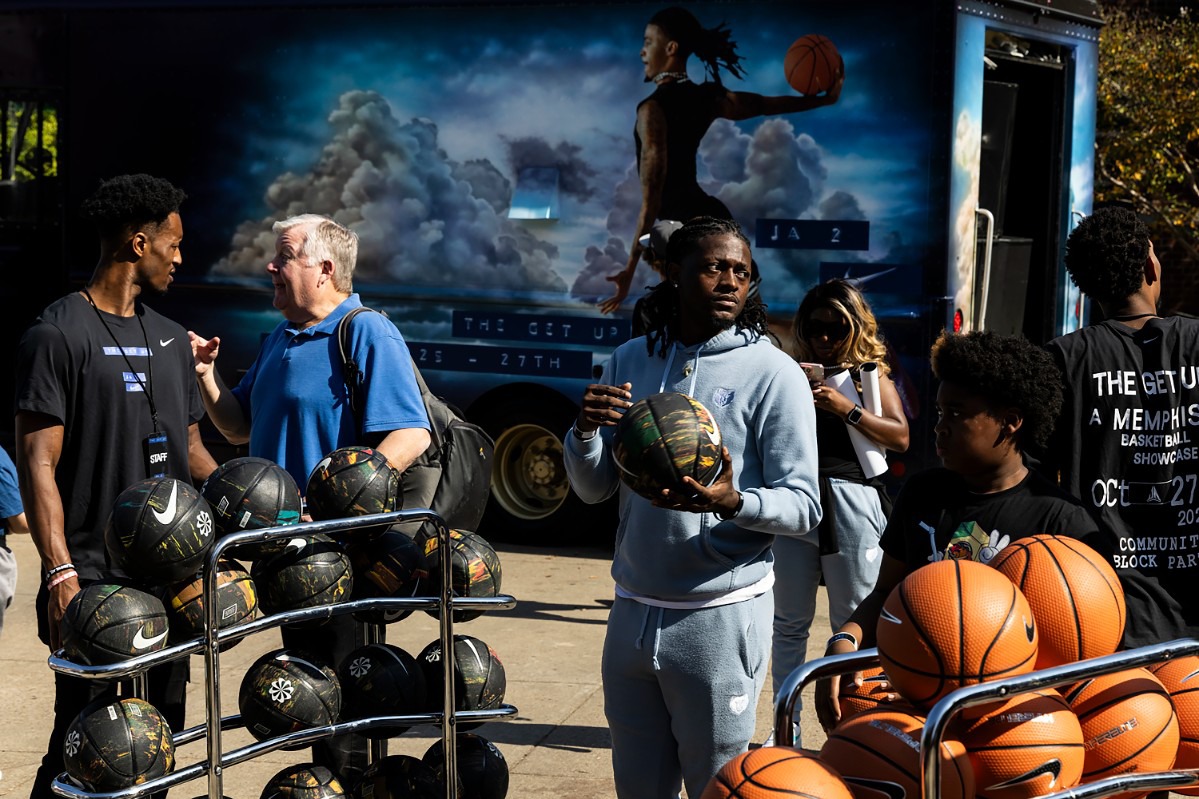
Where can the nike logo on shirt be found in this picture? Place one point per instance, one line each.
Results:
(167, 516)
(162, 343)
(140, 641)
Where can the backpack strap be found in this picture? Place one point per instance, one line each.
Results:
(353, 377)
(350, 372)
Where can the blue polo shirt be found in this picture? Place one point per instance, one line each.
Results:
(297, 401)
(10, 492)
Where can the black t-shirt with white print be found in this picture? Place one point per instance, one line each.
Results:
(935, 504)
(85, 374)
(1127, 444)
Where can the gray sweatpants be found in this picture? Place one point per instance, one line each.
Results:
(849, 575)
(681, 691)
(8, 581)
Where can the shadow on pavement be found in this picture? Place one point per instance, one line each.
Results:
(531, 609)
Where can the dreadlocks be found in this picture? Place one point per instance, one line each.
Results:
(713, 46)
(661, 307)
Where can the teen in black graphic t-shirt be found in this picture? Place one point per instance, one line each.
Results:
(998, 398)
(1128, 441)
(937, 504)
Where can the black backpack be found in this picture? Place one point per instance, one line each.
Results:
(452, 476)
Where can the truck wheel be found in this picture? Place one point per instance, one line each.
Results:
(531, 499)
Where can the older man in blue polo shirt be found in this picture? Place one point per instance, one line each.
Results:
(292, 405)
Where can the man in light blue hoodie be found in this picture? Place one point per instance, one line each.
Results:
(688, 639)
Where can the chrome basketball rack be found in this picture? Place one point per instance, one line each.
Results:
(209, 644)
(939, 716)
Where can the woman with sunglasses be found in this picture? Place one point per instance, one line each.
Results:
(835, 331)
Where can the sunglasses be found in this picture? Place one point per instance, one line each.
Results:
(814, 328)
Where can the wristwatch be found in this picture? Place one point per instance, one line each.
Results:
(854, 416)
(726, 517)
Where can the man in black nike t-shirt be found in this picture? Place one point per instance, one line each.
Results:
(97, 373)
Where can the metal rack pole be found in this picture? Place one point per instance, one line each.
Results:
(449, 722)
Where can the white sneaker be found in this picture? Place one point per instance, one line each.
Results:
(794, 730)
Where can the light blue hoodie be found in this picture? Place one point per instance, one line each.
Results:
(761, 400)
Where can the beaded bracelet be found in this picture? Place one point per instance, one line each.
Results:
(61, 577)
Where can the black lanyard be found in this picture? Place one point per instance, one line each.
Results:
(148, 386)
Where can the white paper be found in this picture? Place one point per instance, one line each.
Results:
(871, 400)
(872, 457)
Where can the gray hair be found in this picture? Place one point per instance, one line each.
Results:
(326, 240)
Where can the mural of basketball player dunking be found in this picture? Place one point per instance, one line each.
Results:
(672, 121)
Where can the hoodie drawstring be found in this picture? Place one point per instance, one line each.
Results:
(644, 624)
(658, 638)
(639, 643)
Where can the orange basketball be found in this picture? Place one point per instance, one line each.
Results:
(812, 64)
(1028, 746)
(1074, 594)
(877, 753)
(1181, 678)
(776, 771)
(954, 623)
(1128, 724)
(855, 699)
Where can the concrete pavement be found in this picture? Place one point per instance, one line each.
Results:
(550, 644)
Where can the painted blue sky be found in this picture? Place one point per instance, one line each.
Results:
(413, 123)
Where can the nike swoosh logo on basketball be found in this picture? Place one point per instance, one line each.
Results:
(167, 516)
(713, 437)
(1030, 630)
(887, 615)
(1053, 768)
(140, 641)
(474, 651)
(162, 343)
(891, 789)
(1188, 677)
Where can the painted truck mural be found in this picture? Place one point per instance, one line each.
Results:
(484, 154)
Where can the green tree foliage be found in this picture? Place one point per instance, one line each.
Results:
(22, 158)
(1148, 122)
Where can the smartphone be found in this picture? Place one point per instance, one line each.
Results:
(814, 371)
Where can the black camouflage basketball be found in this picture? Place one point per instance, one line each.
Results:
(479, 682)
(474, 569)
(353, 481)
(236, 602)
(108, 623)
(399, 777)
(159, 530)
(252, 494)
(663, 438)
(288, 690)
(113, 745)
(381, 680)
(303, 781)
(310, 572)
(482, 770)
(388, 565)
